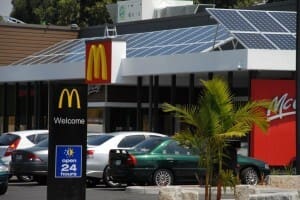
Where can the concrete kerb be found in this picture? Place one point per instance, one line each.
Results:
(155, 189)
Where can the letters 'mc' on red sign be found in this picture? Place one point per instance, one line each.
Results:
(98, 62)
(277, 146)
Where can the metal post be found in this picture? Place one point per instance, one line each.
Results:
(297, 91)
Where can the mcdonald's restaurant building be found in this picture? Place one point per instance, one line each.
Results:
(138, 71)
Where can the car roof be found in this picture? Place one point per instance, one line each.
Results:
(126, 133)
(27, 132)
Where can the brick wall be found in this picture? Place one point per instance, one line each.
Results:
(20, 40)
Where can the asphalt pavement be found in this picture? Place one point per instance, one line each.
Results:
(33, 191)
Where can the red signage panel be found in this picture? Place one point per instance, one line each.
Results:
(98, 62)
(278, 145)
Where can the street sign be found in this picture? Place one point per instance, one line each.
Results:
(67, 141)
(68, 161)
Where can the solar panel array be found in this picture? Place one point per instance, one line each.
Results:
(259, 29)
(156, 43)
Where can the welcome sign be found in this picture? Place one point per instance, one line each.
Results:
(67, 141)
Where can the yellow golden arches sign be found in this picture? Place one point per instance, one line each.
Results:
(98, 62)
(69, 95)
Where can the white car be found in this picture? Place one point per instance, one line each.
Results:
(11, 141)
(98, 152)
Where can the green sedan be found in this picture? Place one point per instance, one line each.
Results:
(162, 161)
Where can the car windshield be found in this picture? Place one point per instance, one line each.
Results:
(7, 139)
(43, 143)
(100, 139)
(148, 145)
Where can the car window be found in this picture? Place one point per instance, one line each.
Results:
(154, 136)
(40, 138)
(7, 139)
(31, 138)
(130, 141)
(43, 143)
(175, 149)
(148, 145)
(98, 140)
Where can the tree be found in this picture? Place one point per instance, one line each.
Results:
(230, 3)
(62, 12)
(213, 121)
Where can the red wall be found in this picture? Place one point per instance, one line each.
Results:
(278, 145)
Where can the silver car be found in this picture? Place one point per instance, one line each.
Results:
(15, 140)
(98, 151)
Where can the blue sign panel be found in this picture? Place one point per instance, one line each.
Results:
(68, 161)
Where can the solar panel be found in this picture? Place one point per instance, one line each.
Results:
(156, 43)
(259, 29)
(177, 41)
(262, 21)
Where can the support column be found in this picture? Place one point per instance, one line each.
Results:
(173, 101)
(150, 102)
(5, 107)
(139, 120)
(28, 107)
(297, 142)
(17, 108)
(37, 105)
(210, 75)
(192, 89)
(155, 104)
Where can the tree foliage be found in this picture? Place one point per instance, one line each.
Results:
(62, 12)
(215, 119)
(230, 3)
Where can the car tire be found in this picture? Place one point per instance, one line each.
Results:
(107, 179)
(163, 177)
(3, 188)
(249, 176)
(25, 178)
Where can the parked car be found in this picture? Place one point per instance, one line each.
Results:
(162, 161)
(11, 141)
(33, 161)
(98, 151)
(3, 177)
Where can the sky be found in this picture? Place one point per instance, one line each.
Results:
(5, 7)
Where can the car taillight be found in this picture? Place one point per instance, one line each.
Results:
(33, 157)
(131, 160)
(90, 153)
(13, 146)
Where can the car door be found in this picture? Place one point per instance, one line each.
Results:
(181, 161)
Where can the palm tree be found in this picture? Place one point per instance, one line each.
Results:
(213, 121)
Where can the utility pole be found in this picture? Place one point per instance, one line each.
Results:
(297, 91)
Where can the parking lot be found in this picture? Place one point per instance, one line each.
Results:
(33, 191)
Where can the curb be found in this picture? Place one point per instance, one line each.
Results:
(156, 189)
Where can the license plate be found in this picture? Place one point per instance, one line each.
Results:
(118, 162)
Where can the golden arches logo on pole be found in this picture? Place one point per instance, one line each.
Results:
(66, 92)
(97, 63)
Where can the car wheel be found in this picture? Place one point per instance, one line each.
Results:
(3, 188)
(25, 178)
(163, 177)
(249, 176)
(107, 179)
